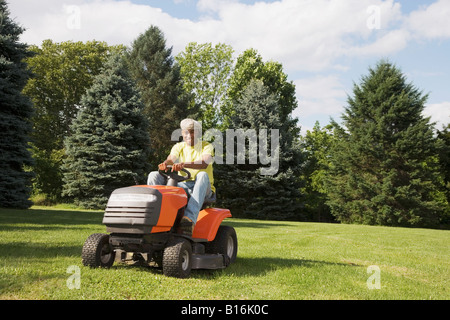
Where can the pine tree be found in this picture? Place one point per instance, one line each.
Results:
(384, 168)
(15, 113)
(242, 187)
(109, 147)
(159, 80)
(444, 160)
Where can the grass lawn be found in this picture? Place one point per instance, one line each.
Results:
(276, 260)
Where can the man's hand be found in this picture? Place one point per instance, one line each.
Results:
(162, 166)
(175, 166)
(169, 161)
(178, 166)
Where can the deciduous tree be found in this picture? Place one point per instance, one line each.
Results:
(250, 66)
(316, 146)
(206, 70)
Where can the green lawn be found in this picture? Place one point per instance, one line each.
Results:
(276, 260)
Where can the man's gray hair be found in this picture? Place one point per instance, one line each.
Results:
(190, 124)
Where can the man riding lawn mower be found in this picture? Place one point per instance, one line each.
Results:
(165, 222)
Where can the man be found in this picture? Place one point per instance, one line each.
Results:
(196, 156)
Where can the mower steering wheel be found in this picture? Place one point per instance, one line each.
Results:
(174, 175)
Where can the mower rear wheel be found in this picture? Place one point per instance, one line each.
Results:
(225, 243)
(177, 258)
(97, 251)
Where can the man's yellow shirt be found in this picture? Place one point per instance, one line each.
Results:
(185, 153)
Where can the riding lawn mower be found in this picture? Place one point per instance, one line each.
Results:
(142, 225)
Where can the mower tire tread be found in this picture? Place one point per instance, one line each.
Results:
(93, 249)
(177, 258)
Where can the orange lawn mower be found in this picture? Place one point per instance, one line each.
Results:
(143, 226)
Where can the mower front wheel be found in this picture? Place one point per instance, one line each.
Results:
(97, 251)
(177, 258)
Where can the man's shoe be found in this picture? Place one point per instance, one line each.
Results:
(186, 226)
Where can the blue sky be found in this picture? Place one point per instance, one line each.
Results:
(324, 45)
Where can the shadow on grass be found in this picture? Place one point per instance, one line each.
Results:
(255, 224)
(40, 233)
(36, 251)
(244, 267)
(49, 217)
(261, 266)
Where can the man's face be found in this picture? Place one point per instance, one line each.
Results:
(189, 137)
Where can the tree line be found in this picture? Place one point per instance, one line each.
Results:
(81, 119)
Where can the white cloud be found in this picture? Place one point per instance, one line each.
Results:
(304, 35)
(439, 113)
(431, 22)
(301, 34)
(391, 42)
(116, 22)
(321, 95)
(213, 5)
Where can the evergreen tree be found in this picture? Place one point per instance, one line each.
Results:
(444, 160)
(241, 186)
(15, 113)
(384, 169)
(158, 78)
(109, 147)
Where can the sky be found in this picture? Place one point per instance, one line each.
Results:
(325, 46)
